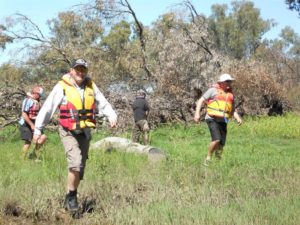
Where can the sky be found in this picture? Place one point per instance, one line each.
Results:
(39, 11)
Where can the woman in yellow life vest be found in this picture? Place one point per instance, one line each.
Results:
(220, 107)
(77, 98)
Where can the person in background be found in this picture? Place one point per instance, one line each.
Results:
(140, 109)
(30, 107)
(78, 98)
(220, 106)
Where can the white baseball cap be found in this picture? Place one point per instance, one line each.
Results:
(224, 77)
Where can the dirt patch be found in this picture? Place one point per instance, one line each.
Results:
(14, 214)
(12, 209)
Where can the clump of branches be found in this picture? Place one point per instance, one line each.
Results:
(10, 104)
(257, 91)
(178, 57)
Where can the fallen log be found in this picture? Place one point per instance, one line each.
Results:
(109, 144)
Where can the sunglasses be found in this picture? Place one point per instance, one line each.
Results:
(81, 69)
(228, 81)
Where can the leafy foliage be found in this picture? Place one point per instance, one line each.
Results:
(293, 5)
(239, 32)
(181, 50)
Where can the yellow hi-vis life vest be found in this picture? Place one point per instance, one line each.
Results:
(221, 104)
(76, 114)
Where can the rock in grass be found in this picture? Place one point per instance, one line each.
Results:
(124, 145)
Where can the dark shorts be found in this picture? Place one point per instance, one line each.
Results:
(218, 130)
(26, 133)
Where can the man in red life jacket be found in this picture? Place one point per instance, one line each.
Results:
(77, 97)
(30, 108)
(220, 107)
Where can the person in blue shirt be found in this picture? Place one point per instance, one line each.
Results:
(30, 107)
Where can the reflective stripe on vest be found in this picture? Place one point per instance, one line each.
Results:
(76, 113)
(221, 105)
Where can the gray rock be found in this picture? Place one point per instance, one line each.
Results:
(124, 145)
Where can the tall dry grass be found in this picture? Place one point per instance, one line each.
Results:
(256, 182)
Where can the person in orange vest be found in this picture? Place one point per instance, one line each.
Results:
(78, 99)
(220, 107)
(30, 107)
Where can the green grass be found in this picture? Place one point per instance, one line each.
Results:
(256, 182)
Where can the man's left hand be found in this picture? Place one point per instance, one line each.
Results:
(36, 138)
(239, 121)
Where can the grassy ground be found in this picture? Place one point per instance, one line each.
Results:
(256, 182)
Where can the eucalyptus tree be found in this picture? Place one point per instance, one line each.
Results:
(238, 31)
(290, 42)
(74, 35)
(11, 75)
(114, 9)
(121, 51)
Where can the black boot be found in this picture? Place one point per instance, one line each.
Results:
(71, 203)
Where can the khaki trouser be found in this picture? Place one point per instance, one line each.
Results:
(141, 127)
(76, 149)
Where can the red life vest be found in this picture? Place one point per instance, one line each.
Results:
(34, 109)
(76, 114)
(221, 105)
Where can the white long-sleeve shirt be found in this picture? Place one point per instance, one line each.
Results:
(56, 97)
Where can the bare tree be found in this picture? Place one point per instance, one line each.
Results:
(112, 9)
(30, 31)
(200, 24)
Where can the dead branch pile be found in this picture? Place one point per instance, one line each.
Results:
(256, 94)
(163, 110)
(10, 105)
